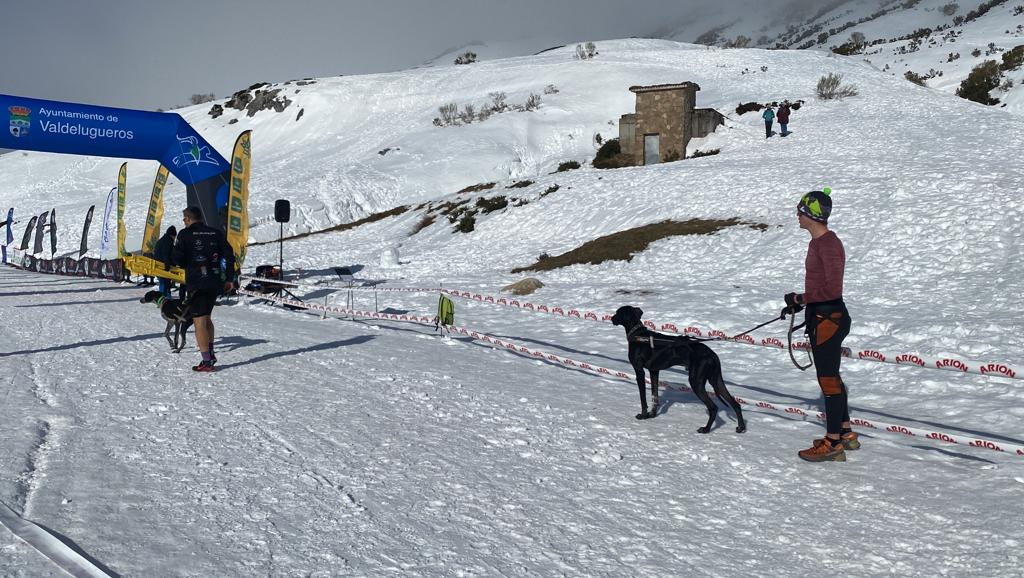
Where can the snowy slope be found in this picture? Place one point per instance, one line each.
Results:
(831, 24)
(352, 448)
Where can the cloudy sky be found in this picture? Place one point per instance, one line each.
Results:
(154, 54)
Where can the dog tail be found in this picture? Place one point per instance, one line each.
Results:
(718, 381)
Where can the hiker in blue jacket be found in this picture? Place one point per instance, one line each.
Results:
(769, 117)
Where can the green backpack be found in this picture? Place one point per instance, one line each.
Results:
(445, 312)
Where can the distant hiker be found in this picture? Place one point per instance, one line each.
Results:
(162, 253)
(828, 323)
(783, 118)
(209, 266)
(769, 117)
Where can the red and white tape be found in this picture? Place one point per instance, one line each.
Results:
(860, 423)
(909, 359)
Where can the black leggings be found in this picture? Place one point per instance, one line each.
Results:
(828, 324)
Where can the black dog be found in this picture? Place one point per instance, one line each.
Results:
(653, 351)
(175, 313)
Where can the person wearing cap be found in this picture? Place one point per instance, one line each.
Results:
(828, 323)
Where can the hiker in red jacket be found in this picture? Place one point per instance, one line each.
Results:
(783, 117)
(828, 323)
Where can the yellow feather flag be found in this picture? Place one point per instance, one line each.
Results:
(156, 212)
(238, 202)
(122, 178)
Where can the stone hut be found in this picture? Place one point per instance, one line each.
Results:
(666, 119)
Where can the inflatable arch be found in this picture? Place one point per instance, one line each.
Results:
(80, 129)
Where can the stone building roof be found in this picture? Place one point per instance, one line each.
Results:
(657, 87)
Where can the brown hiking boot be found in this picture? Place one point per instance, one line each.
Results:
(850, 441)
(822, 451)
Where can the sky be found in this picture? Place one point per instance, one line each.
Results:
(153, 55)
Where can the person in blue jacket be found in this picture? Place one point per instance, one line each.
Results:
(769, 117)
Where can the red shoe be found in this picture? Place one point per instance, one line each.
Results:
(204, 366)
(850, 441)
(823, 451)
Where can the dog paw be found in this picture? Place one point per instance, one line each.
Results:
(644, 415)
(703, 430)
(741, 429)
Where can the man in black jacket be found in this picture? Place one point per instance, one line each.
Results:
(162, 253)
(209, 265)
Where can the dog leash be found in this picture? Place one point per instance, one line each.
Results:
(789, 339)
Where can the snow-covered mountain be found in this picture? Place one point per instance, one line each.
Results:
(939, 40)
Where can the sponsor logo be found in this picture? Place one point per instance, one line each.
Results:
(515, 303)
(997, 368)
(192, 153)
(489, 299)
(862, 423)
(650, 324)
(528, 306)
(574, 313)
(716, 333)
(871, 354)
(20, 120)
(557, 310)
(820, 416)
(772, 341)
(941, 437)
(745, 339)
(899, 429)
(603, 370)
(693, 331)
(740, 400)
(502, 301)
(985, 444)
(621, 374)
(669, 327)
(590, 315)
(586, 365)
(766, 405)
(543, 308)
(796, 410)
(478, 297)
(801, 345)
(606, 317)
(952, 364)
(910, 358)
(846, 352)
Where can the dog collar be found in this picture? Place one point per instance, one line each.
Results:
(160, 300)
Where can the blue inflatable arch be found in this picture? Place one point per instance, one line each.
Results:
(80, 129)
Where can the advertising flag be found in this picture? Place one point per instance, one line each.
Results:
(238, 201)
(122, 182)
(105, 234)
(151, 234)
(37, 247)
(53, 232)
(8, 236)
(28, 234)
(85, 233)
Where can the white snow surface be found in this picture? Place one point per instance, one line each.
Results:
(338, 447)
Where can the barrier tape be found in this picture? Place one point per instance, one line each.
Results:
(860, 423)
(911, 359)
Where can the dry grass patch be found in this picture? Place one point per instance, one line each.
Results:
(623, 245)
(344, 226)
(524, 287)
(425, 222)
(477, 188)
